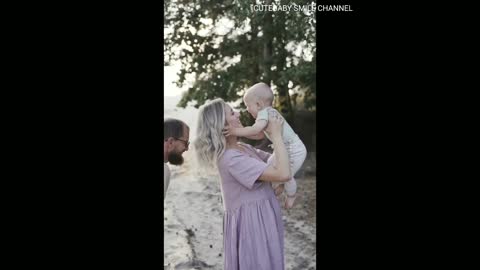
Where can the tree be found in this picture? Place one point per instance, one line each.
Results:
(227, 46)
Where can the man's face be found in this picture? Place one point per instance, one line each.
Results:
(176, 147)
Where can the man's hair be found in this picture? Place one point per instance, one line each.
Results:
(173, 128)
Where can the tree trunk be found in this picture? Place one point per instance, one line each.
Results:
(285, 105)
(268, 45)
(256, 74)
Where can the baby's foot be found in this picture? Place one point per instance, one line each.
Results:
(279, 190)
(289, 200)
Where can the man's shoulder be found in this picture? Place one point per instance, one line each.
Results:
(166, 169)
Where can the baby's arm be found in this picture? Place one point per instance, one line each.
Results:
(259, 136)
(254, 130)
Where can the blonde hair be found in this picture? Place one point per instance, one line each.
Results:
(210, 142)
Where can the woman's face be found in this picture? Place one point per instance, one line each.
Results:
(232, 117)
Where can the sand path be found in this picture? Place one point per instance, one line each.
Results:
(193, 224)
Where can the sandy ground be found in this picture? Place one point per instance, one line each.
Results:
(193, 216)
(193, 224)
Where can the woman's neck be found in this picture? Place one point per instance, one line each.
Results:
(232, 142)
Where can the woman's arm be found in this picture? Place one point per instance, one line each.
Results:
(280, 172)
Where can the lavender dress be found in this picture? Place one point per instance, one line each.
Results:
(252, 224)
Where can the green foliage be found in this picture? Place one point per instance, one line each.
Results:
(261, 44)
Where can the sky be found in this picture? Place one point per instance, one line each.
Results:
(169, 73)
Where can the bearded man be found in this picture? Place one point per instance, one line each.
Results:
(175, 142)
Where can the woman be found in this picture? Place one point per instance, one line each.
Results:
(253, 227)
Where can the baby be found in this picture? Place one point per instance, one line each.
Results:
(259, 99)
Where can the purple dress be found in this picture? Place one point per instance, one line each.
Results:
(252, 223)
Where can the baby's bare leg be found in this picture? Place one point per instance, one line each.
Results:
(297, 154)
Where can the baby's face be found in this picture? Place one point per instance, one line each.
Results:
(252, 106)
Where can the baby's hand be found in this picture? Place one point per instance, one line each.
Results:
(228, 130)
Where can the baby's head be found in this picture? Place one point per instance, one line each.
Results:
(257, 98)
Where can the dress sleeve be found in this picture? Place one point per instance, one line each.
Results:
(262, 154)
(245, 169)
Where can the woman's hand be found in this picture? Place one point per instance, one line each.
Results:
(281, 172)
(275, 124)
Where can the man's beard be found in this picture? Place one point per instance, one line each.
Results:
(175, 158)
